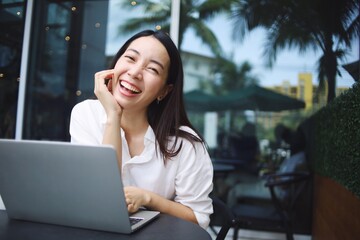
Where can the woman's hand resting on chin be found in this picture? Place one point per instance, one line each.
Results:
(103, 82)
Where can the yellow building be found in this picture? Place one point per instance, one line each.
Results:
(305, 89)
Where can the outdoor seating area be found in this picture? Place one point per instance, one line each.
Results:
(267, 189)
(272, 202)
(290, 199)
(264, 190)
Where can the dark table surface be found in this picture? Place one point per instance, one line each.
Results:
(229, 161)
(222, 167)
(164, 227)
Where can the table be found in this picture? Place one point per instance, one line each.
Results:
(164, 227)
(236, 163)
(221, 170)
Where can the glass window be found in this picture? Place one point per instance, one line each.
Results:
(70, 42)
(64, 36)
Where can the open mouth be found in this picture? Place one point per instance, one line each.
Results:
(130, 88)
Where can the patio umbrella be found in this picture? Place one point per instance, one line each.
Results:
(353, 69)
(197, 100)
(258, 98)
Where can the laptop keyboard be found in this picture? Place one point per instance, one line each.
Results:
(134, 220)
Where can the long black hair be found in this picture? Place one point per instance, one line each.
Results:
(167, 116)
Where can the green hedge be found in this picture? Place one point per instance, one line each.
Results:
(335, 143)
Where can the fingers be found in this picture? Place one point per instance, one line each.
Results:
(131, 204)
(105, 74)
(102, 81)
(132, 208)
(103, 90)
(132, 198)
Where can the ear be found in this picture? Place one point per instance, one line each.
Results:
(165, 92)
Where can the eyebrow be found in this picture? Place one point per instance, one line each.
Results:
(151, 60)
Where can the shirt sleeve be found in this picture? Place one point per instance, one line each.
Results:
(194, 181)
(85, 123)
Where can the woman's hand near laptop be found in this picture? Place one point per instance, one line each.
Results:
(137, 197)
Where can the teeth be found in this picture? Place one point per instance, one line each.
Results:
(130, 87)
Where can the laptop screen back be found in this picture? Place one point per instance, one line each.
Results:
(63, 183)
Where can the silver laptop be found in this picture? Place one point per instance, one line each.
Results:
(65, 184)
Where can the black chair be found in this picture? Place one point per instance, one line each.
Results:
(276, 215)
(288, 208)
(222, 217)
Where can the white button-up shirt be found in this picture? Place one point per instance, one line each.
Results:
(186, 178)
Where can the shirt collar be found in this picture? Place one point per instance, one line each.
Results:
(149, 137)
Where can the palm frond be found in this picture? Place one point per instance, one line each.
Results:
(240, 25)
(207, 36)
(353, 29)
(210, 8)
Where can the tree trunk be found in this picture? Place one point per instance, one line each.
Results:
(330, 68)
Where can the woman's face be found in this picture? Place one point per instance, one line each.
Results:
(140, 74)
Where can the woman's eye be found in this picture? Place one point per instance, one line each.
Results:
(153, 70)
(129, 57)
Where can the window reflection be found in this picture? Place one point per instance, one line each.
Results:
(53, 69)
(69, 42)
(11, 28)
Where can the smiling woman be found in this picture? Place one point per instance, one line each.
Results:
(143, 66)
(140, 112)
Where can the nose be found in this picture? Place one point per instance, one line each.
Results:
(135, 71)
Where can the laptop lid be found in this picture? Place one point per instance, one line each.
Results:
(66, 184)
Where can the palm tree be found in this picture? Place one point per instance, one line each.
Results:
(230, 76)
(193, 14)
(329, 25)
